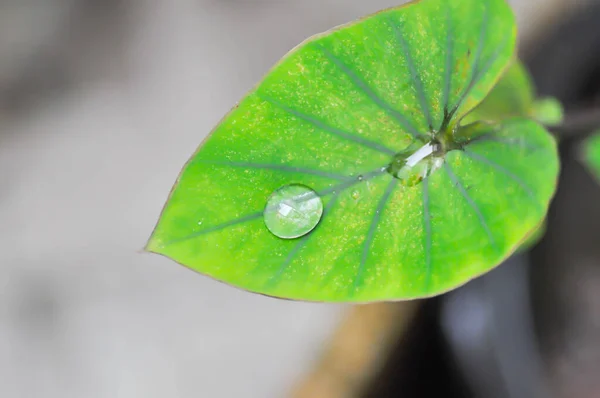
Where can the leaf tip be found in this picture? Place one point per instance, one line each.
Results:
(152, 246)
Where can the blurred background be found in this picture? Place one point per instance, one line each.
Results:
(101, 103)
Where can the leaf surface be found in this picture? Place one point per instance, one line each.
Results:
(366, 118)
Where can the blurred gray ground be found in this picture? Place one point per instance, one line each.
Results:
(101, 104)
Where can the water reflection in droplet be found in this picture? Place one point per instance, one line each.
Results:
(293, 211)
(413, 166)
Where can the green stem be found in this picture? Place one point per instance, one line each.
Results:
(578, 124)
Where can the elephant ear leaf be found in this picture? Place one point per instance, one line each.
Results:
(591, 154)
(514, 96)
(344, 175)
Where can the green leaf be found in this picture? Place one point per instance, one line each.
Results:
(514, 96)
(548, 111)
(534, 237)
(352, 141)
(591, 154)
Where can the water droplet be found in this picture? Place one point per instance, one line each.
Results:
(360, 178)
(293, 211)
(355, 195)
(414, 166)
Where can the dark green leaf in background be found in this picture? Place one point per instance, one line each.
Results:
(591, 154)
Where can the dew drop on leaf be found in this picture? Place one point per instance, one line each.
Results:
(293, 211)
(412, 168)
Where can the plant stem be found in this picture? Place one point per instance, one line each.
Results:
(578, 123)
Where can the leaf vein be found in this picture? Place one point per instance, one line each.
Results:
(414, 73)
(371, 233)
(219, 227)
(336, 189)
(504, 171)
(364, 87)
(492, 137)
(280, 167)
(449, 58)
(329, 129)
(456, 182)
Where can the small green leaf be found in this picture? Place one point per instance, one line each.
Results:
(514, 96)
(362, 120)
(591, 154)
(548, 111)
(511, 97)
